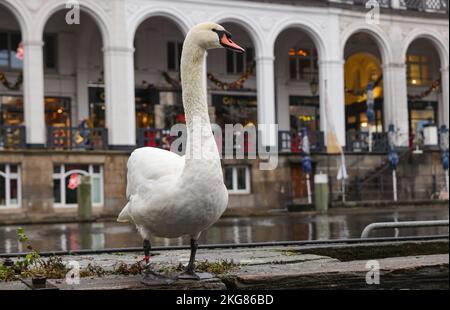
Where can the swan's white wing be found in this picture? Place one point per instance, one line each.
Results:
(147, 165)
(150, 163)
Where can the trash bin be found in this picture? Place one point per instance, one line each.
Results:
(321, 192)
(84, 199)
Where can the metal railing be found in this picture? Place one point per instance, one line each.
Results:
(429, 6)
(292, 141)
(12, 137)
(373, 226)
(159, 138)
(72, 138)
(358, 141)
(437, 6)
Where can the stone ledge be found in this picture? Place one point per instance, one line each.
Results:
(403, 265)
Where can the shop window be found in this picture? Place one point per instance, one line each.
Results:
(304, 113)
(10, 186)
(235, 110)
(174, 50)
(50, 51)
(238, 63)
(65, 175)
(418, 70)
(237, 179)
(9, 43)
(57, 111)
(303, 64)
(97, 106)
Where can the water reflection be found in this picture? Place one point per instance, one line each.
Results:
(286, 227)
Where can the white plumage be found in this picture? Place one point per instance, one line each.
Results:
(171, 195)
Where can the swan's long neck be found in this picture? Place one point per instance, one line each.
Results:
(200, 139)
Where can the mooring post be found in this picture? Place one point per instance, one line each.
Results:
(84, 199)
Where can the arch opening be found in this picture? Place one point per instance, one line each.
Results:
(425, 100)
(364, 111)
(232, 81)
(73, 81)
(11, 78)
(158, 45)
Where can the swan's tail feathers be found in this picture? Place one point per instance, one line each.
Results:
(124, 216)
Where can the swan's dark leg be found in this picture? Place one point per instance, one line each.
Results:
(190, 274)
(151, 278)
(147, 248)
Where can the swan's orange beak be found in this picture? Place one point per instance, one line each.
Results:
(228, 43)
(225, 41)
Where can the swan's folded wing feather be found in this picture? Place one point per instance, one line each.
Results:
(150, 164)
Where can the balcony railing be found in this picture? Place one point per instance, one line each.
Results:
(425, 5)
(359, 142)
(12, 137)
(292, 142)
(66, 138)
(431, 6)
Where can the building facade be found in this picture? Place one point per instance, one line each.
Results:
(76, 96)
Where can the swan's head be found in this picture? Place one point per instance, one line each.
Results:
(211, 35)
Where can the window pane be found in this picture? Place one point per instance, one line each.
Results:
(2, 168)
(50, 51)
(230, 61)
(4, 50)
(304, 67)
(242, 178)
(249, 56)
(2, 191)
(71, 194)
(229, 178)
(57, 191)
(14, 192)
(239, 63)
(56, 168)
(180, 50)
(292, 68)
(13, 168)
(96, 169)
(77, 167)
(96, 190)
(170, 56)
(15, 41)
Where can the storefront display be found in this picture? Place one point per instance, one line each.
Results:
(304, 113)
(235, 109)
(57, 111)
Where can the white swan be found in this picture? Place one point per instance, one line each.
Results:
(171, 195)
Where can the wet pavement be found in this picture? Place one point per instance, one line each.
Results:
(339, 224)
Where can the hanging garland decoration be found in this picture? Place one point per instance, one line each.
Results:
(435, 86)
(238, 84)
(8, 84)
(364, 90)
(174, 83)
(19, 81)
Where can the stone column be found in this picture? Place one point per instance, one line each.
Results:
(332, 99)
(445, 96)
(33, 91)
(395, 103)
(120, 97)
(266, 97)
